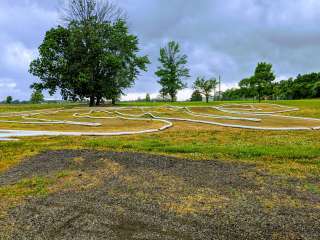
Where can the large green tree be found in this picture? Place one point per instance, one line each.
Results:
(93, 57)
(205, 87)
(173, 70)
(262, 80)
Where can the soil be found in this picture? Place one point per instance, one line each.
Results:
(158, 197)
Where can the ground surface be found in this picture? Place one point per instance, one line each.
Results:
(109, 195)
(75, 120)
(192, 181)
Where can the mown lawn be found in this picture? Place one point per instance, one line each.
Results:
(290, 159)
(191, 140)
(27, 107)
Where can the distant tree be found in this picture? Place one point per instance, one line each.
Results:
(284, 89)
(196, 96)
(205, 87)
(247, 89)
(173, 70)
(232, 94)
(9, 100)
(148, 98)
(262, 80)
(36, 97)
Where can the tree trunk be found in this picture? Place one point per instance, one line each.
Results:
(113, 101)
(207, 98)
(92, 99)
(172, 97)
(98, 102)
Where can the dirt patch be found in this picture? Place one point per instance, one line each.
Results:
(156, 197)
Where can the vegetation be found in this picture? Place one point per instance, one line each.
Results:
(238, 173)
(302, 87)
(148, 98)
(37, 97)
(205, 87)
(260, 84)
(9, 100)
(173, 70)
(93, 57)
(196, 96)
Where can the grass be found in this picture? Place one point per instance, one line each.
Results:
(28, 107)
(282, 163)
(289, 154)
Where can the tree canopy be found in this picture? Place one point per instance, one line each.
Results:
(172, 70)
(301, 87)
(92, 57)
(261, 82)
(205, 87)
(196, 96)
(257, 86)
(9, 100)
(36, 97)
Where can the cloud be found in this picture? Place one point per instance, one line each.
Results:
(8, 87)
(7, 84)
(224, 38)
(17, 56)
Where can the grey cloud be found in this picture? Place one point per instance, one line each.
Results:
(219, 37)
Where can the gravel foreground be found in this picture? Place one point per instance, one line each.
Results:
(142, 196)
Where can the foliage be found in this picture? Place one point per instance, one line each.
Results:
(89, 58)
(259, 85)
(36, 97)
(9, 100)
(262, 79)
(148, 98)
(302, 87)
(196, 96)
(205, 87)
(173, 70)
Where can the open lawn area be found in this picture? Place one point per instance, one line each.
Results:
(191, 181)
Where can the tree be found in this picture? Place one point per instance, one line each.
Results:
(9, 100)
(94, 57)
(261, 82)
(205, 87)
(247, 89)
(196, 96)
(83, 10)
(148, 98)
(173, 70)
(36, 97)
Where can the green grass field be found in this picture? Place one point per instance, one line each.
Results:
(268, 148)
(291, 159)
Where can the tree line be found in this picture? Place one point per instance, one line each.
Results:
(262, 85)
(35, 98)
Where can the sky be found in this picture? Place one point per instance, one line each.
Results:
(220, 37)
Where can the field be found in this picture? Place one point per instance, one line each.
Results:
(190, 181)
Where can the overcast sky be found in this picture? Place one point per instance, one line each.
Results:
(226, 37)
